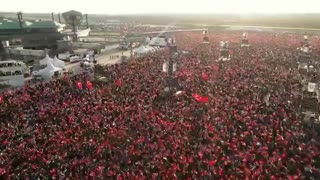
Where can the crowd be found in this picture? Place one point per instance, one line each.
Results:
(127, 128)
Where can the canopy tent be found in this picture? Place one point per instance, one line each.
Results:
(48, 72)
(58, 63)
(147, 41)
(158, 41)
(142, 50)
(45, 61)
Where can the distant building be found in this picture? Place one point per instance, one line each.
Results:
(45, 27)
(43, 34)
(34, 35)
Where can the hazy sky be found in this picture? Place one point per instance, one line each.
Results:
(163, 6)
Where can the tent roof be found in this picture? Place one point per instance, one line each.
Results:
(13, 24)
(49, 70)
(45, 25)
(142, 49)
(58, 63)
(45, 60)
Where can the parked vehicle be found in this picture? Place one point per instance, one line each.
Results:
(75, 58)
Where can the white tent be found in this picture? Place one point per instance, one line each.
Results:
(147, 41)
(45, 61)
(142, 50)
(48, 72)
(158, 41)
(58, 63)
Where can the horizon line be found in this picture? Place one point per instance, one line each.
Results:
(176, 14)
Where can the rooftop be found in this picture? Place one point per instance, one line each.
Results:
(11, 24)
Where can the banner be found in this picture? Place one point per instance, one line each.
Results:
(202, 99)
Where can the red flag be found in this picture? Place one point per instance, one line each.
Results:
(89, 85)
(1, 99)
(205, 76)
(92, 174)
(215, 67)
(2, 171)
(79, 85)
(118, 83)
(202, 99)
(212, 163)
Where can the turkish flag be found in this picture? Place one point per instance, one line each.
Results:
(2, 171)
(205, 76)
(212, 163)
(119, 83)
(202, 99)
(89, 85)
(79, 85)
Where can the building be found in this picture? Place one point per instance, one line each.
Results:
(34, 35)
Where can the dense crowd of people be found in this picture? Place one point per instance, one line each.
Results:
(129, 128)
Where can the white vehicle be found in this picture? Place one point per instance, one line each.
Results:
(75, 58)
(12, 73)
(64, 56)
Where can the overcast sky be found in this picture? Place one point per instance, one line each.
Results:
(162, 6)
